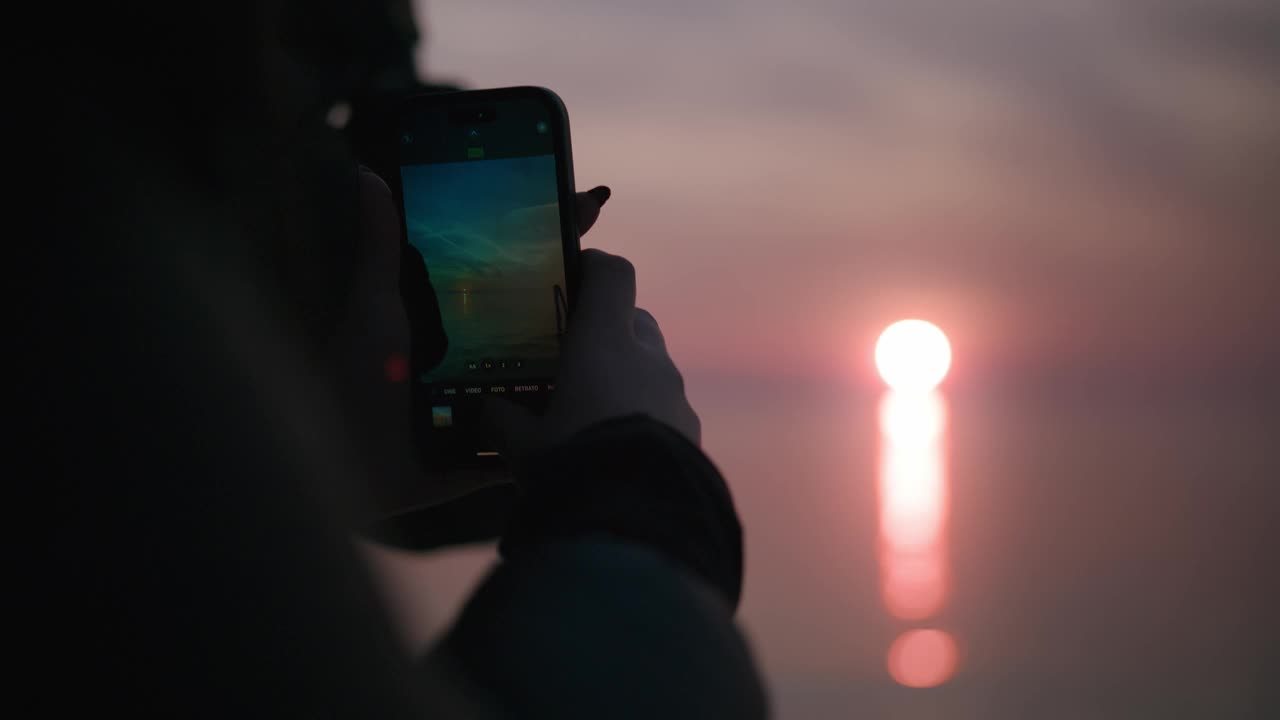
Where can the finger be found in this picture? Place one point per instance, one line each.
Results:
(378, 256)
(588, 206)
(516, 425)
(647, 330)
(693, 426)
(608, 296)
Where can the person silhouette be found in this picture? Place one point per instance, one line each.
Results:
(203, 320)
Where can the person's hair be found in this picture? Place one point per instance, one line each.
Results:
(202, 102)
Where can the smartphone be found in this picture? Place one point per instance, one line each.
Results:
(489, 260)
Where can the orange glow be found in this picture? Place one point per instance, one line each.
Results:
(923, 658)
(913, 356)
(912, 420)
(914, 502)
(914, 587)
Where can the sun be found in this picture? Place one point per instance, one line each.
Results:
(913, 356)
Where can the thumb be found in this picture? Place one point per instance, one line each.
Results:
(379, 252)
(516, 424)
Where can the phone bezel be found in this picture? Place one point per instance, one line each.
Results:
(558, 119)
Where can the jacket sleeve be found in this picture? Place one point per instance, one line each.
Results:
(622, 568)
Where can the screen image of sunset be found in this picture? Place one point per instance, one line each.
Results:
(489, 234)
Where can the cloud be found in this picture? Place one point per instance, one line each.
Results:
(1045, 175)
(520, 248)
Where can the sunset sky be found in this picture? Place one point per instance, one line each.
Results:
(1083, 195)
(1056, 184)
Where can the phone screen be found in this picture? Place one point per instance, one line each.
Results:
(482, 181)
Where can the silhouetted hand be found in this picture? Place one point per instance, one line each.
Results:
(614, 364)
(372, 354)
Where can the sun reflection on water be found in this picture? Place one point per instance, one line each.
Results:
(914, 500)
